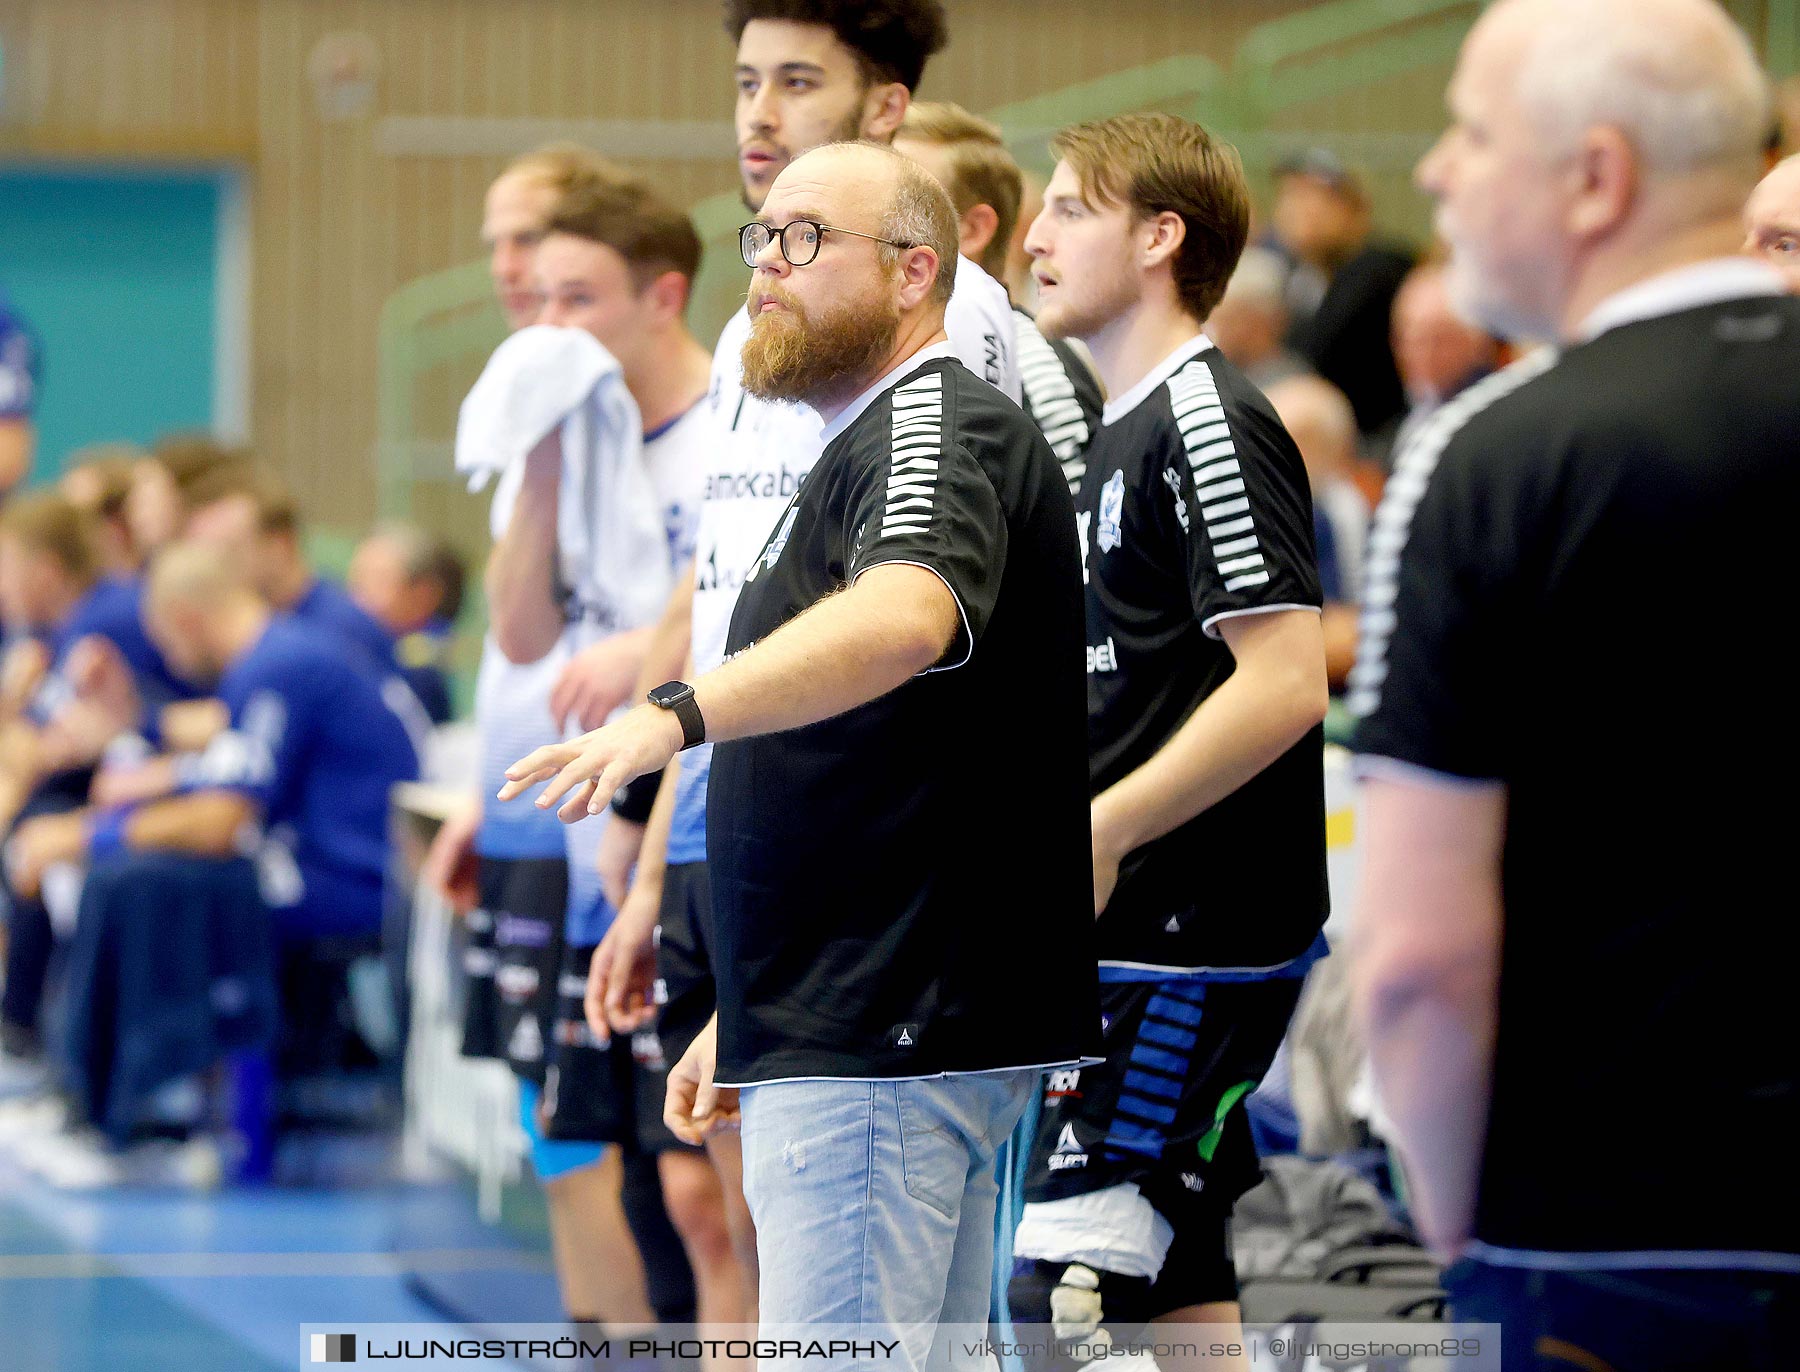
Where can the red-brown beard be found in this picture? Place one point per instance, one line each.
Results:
(791, 355)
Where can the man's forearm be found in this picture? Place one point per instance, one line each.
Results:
(849, 649)
(203, 824)
(1257, 714)
(1431, 1052)
(520, 580)
(1425, 974)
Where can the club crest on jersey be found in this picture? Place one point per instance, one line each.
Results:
(1110, 532)
(1069, 1152)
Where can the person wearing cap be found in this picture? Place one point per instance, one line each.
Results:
(1341, 294)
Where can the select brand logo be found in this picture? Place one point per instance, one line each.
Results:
(1069, 1152)
(334, 1348)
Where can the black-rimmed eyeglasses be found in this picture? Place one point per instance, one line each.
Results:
(800, 240)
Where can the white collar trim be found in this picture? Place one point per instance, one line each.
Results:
(1161, 372)
(1685, 288)
(887, 382)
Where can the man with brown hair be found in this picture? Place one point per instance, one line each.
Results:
(966, 154)
(616, 261)
(1206, 689)
(509, 870)
(250, 513)
(916, 605)
(513, 217)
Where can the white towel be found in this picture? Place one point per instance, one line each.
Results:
(611, 540)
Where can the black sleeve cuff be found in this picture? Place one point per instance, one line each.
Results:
(633, 800)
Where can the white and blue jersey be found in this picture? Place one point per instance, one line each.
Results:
(674, 455)
(18, 366)
(317, 740)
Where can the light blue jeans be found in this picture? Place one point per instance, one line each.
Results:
(874, 1208)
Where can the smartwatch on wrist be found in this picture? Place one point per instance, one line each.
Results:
(678, 697)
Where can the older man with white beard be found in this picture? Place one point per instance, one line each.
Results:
(1561, 939)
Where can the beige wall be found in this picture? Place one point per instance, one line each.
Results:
(345, 212)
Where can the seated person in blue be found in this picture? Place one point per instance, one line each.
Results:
(77, 664)
(411, 581)
(79, 633)
(301, 775)
(251, 515)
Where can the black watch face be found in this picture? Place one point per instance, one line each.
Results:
(671, 693)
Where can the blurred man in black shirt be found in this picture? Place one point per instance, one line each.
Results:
(1573, 995)
(1342, 292)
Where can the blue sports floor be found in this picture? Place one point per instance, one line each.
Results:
(144, 1281)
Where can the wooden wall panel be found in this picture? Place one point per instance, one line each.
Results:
(342, 219)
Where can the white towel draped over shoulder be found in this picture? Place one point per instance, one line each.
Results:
(611, 530)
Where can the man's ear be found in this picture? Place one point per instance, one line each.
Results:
(1604, 172)
(668, 295)
(1161, 237)
(979, 226)
(919, 269)
(884, 106)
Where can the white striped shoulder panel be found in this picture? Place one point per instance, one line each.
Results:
(1050, 395)
(1218, 479)
(918, 442)
(1413, 470)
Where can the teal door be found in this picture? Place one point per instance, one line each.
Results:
(118, 275)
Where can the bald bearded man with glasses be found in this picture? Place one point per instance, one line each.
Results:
(916, 607)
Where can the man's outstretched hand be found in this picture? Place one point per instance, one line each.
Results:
(587, 770)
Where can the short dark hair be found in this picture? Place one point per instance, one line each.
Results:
(1152, 163)
(624, 214)
(276, 510)
(188, 457)
(892, 39)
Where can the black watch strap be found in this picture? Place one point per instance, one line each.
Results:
(678, 698)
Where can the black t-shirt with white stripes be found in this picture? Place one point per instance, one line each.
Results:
(1196, 509)
(905, 890)
(1577, 587)
(1062, 395)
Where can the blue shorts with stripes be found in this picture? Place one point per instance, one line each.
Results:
(1166, 1108)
